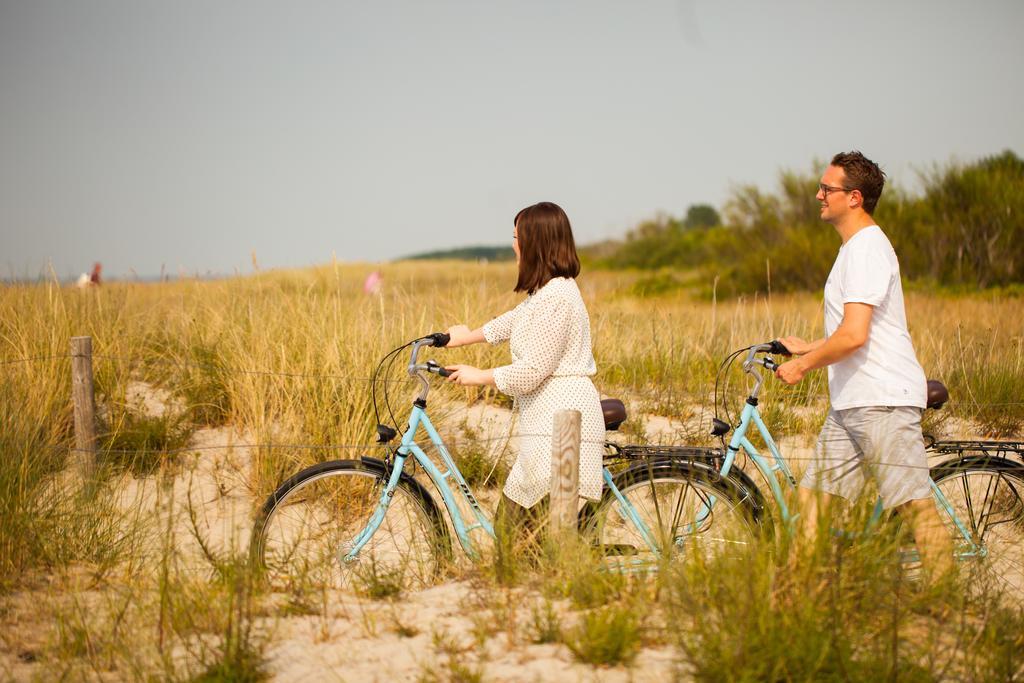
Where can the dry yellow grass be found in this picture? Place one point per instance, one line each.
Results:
(284, 358)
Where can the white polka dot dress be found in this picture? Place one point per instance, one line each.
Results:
(552, 362)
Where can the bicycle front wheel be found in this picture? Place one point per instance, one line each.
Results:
(671, 509)
(987, 495)
(307, 527)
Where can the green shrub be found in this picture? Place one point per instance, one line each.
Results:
(139, 443)
(608, 635)
(840, 609)
(204, 384)
(965, 229)
(377, 582)
(661, 283)
(480, 465)
(545, 624)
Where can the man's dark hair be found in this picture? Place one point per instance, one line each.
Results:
(862, 174)
(546, 247)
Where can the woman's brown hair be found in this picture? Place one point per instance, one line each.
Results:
(546, 246)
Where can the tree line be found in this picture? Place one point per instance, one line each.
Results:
(963, 230)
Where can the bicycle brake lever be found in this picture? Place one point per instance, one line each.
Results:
(432, 366)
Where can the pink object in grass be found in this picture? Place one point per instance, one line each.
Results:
(372, 283)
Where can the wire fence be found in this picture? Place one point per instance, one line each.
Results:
(456, 441)
(241, 371)
(614, 451)
(139, 361)
(31, 359)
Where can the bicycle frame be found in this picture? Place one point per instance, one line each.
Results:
(450, 482)
(770, 468)
(408, 447)
(440, 479)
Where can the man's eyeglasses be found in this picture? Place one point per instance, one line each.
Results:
(826, 189)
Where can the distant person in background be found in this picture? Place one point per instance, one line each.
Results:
(877, 387)
(90, 279)
(552, 362)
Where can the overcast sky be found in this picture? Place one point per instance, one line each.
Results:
(187, 135)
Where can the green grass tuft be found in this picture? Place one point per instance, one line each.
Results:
(139, 443)
(608, 635)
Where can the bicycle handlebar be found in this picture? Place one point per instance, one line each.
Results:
(438, 339)
(774, 346)
(431, 366)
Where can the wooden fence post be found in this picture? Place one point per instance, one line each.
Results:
(84, 458)
(565, 470)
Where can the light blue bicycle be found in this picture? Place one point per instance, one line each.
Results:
(337, 521)
(979, 491)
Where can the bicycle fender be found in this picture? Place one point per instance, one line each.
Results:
(378, 465)
(992, 462)
(737, 476)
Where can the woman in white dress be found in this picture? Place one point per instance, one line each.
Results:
(552, 361)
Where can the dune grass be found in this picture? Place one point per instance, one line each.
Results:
(282, 360)
(838, 610)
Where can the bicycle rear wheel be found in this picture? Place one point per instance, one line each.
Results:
(987, 495)
(680, 508)
(307, 526)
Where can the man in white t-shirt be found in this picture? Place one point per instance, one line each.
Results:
(876, 385)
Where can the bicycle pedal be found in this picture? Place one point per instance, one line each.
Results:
(909, 557)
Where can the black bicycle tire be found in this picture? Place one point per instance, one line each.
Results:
(439, 541)
(646, 473)
(1009, 471)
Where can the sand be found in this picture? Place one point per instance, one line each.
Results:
(208, 503)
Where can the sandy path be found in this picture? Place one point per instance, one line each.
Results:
(208, 503)
(409, 638)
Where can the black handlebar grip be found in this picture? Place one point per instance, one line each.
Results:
(779, 348)
(444, 372)
(440, 339)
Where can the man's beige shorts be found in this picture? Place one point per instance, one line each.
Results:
(882, 442)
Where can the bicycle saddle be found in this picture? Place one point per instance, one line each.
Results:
(938, 394)
(614, 413)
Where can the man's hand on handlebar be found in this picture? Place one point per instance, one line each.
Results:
(792, 371)
(799, 346)
(796, 345)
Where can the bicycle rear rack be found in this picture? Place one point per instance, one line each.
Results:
(988, 449)
(687, 453)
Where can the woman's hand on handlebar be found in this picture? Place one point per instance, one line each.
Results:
(468, 376)
(461, 335)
